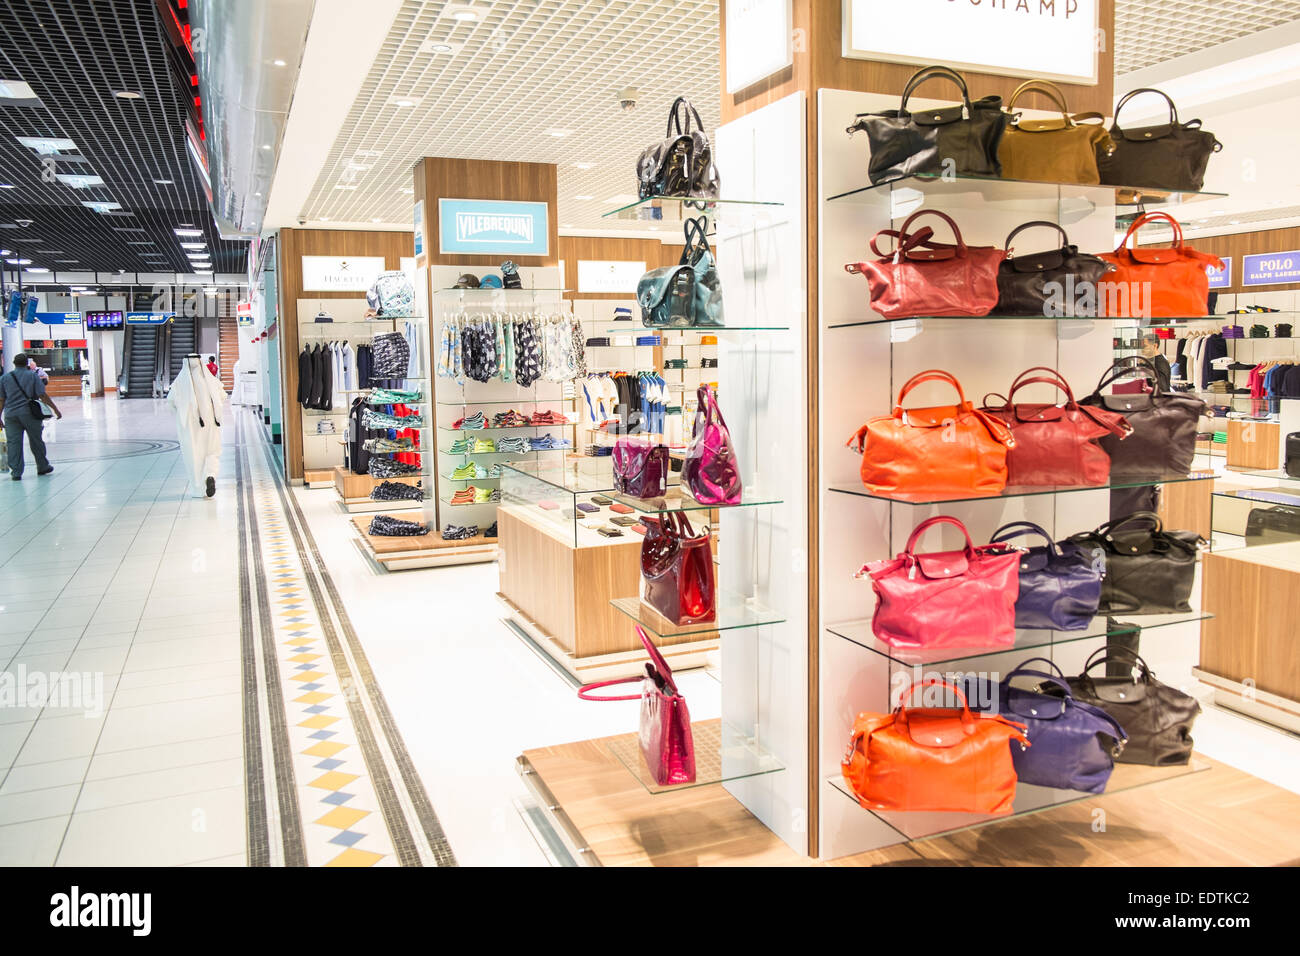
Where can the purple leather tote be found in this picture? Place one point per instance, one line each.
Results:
(710, 472)
(640, 468)
(1060, 584)
(1072, 744)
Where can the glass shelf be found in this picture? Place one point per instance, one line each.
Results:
(722, 753)
(924, 825)
(585, 476)
(507, 428)
(483, 454)
(470, 480)
(860, 633)
(733, 613)
(876, 319)
(462, 292)
(507, 402)
(467, 504)
(677, 208)
(678, 499)
(1023, 491)
(941, 184)
(701, 329)
(1277, 473)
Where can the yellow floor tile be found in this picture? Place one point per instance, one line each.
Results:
(326, 748)
(312, 697)
(342, 817)
(333, 780)
(306, 677)
(318, 722)
(354, 857)
(304, 658)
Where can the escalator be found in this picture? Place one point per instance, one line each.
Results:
(141, 361)
(181, 341)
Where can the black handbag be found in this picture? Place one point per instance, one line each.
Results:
(1170, 156)
(1054, 283)
(1272, 525)
(1148, 570)
(904, 143)
(1292, 452)
(1156, 717)
(1163, 441)
(682, 163)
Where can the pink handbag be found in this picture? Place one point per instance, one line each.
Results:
(677, 570)
(640, 467)
(665, 736)
(711, 473)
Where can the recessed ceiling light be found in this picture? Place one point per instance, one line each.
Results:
(440, 47)
(47, 145)
(257, 194)
(345, 186)
(583, 165)
(278, 63)
(375, 219)
(79, 181)
(194, 245)
(324, 218)
(583, 198)
(163, 182)
(557, 132)
(461, 11)
(38, 269)
(6, 185)
(408, 190)
(369, 152)
(19, 262)
(566, 225)
(266, 145)
(16, 90)
(101, 207)
(188, 232)
(1234, 222)
(128, 95)
(403, 100)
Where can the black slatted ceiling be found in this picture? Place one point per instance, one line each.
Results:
(76, 54)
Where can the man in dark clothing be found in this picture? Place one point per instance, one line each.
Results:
(1151, 352)
(20, 390)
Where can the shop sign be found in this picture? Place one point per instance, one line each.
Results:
(244, 314)
(419, 227)
(1047, 39)
(55, 318)
(760, 40)
(149, 318)
(340, 273)
(1220, 278)
(493, 227)
(1271, 268)
(606, 276)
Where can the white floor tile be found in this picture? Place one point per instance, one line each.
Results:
(159, 784)
(35, 843)
(30, 805)
(60, 738)
(170, 722)
(39, 776)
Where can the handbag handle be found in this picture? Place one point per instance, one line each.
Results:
(585, 691)
(933, 73)
(929, 523)
(1108, 529)
(708, 404)
(1018, 529)
(903, 245)
(1120, 428)
(900, 712)
(1125, 366)
(1120, 655)
(1149, 217)
(1048, 89)
(697, 241)
(998, 430)
(1173, 110)
(1056, 670)
(1065, 239)
(929, 375)
(682, 105)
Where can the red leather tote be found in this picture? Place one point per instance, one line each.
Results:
(677, 570)
(924, 277)
(1056, 444)
(948, 449)
(1157, 283)
(963, 598)
(934, 758)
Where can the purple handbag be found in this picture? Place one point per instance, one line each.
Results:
(1060, 584)
(640, 468)
(710, 472)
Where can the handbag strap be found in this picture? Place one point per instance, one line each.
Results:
(1048, 89)
(932, 73)
(929, 523)
(960, 245)
(998, 430)
(1126, 366)
(1108, 529)
(902, 243)
(1065, 239)
(708, 403)
(900, 712)
(697, 241)
(929, 375)
(1121, 655)
(1056, 670)
(661, 665)
(1150, 217)
(682, 106)
(1018, 529)
(585, 691)
(1173, 110)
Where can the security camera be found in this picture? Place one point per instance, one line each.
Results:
(302, 222)
(24, 222)
(627, 99)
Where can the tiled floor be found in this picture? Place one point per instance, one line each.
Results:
(112, 570)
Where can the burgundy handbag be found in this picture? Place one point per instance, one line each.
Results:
(665, 734)
(961, 598)
(711, 473)
(1056, 444)
(640, 468)
(677, 570)
(923, 277)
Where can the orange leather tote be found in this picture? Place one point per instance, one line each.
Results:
(1055, 150)
(949, 449)
(1156, 283)
(933, 758)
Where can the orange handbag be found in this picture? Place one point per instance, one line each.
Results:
(949, 449)
(1156, 283)
(933, 758)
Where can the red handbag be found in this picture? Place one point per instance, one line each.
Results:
(961, 598)
(665, 731)
(949, 449)
(1056, 444)
(1156, 283)
(924, 277)
(944, 759)
(677, 570)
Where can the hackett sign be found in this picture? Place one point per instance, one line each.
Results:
(491, 227)
(340, 274)
(1047, 39)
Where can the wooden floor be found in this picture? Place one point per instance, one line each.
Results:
(1221, 817)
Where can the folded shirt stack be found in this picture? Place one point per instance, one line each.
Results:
(396, 491)
(484, 446)
(394, 396)
(388, 468)
(387, 446)
(547, 442)
(477, 420)
(454, 532)
(461, 446)
(465, 496)
(373, 419)
(549, 417)
(509, 419)
(389, 527)
(513, 444)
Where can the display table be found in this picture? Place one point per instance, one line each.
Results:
(404, 553)
(354, 491)
(1248, 648)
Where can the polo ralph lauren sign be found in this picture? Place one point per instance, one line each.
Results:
(1045, 39)
(493, 227)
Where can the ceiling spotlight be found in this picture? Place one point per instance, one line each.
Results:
(266, 145)
(163, 182)
(583, 198)
(128, 95)
(408, 190)
(370, 152)
(403, 101)
(583, 165)
(278, 63)
(557, 132)
(1234, 222)
(461, 11)
(24, 223)
(188, 232)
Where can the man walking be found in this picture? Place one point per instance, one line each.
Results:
(21, 395)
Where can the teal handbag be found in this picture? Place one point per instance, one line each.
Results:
(688, 294)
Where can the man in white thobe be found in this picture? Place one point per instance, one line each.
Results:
(199, 402)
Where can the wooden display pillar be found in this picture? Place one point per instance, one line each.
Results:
(1253, 444)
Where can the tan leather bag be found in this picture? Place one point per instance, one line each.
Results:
(1053, 150)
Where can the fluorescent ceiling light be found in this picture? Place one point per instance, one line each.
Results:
(19, 262)
(557, 132)
(38, 269)
(583, 198)
(67, 262)
(163, 182)
(47, 145)
(102, 207)
(188, 232)
(141, 242)
(194, 245)
(16, 90)
(6, 185)
(78, 181)
(128, 95)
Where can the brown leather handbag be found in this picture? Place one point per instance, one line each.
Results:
(1054, 150)
(950, 449)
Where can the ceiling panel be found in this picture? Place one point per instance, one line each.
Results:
(1148, 32)
(76, 55)
(523, 70)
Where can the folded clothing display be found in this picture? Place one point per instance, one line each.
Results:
(460, 446)
(455, 532)
(513, 444)
(547, 442)
(393, 396)
(622, 314)
(464, 496)
(1259, 331)
(599, 451)
(389, 527)
(483, 446)
(598, 341)
(388, 446)
(708, 363)
(549, 417)
(396, 491)
(325, 427)
(388, 468)
(374, 419)
(509, 419)
(468, 422)
(392, 355)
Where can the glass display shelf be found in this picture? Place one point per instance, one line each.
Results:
(733, 613)
(1236, 532)
(504, 428)
(701, 329)
(672, 208)
(941, 184)
(1011, 491)
(1277, 473)
(679, 499)
(462, 292)
(1143, 322)
(722, 752)
(467, 504)
(483, 454)
(925, 825)
(580, 476)
(860, 633)
(506, 402)
(450, 477)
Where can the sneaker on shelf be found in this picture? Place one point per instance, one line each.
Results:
(455, 532)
